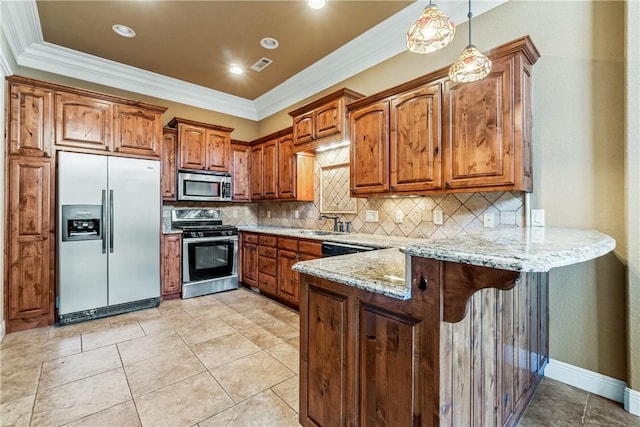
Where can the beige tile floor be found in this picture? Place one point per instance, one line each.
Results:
(228, 359)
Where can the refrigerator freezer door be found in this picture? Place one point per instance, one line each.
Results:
(134, 256)
(82, 265)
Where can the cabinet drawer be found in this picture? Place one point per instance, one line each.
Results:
(288, 244)
(250, 238)
(267, 283)
(266, 266)
(268, 241)
(265, 251)
(311, 248)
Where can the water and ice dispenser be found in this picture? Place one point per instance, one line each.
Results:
(81, 222)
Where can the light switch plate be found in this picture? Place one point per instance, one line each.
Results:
(438, 217)
(296, 214)
(235, 213)
(399, 216)
(371, 216)
(488, 220)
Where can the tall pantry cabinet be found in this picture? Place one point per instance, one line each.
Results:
(43, 118)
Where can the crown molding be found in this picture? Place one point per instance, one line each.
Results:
(24, 35)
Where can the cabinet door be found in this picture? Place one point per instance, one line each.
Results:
(169, 146)
(415, 143)
(218, 150)
(256, 173)
(478, 131)
(250, 264)
(83, 122)
(286, 168)
(240, 172)
(137, 131)
(193, 147)
(303, 128)
(329, 119)
(270, 170)
(30, 121)
(287, 278)
(171, 265)
(370, 149)
(30, 248)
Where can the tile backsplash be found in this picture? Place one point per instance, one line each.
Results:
(463, 212)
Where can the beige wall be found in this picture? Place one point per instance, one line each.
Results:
(578, 154)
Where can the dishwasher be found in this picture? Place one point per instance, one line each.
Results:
(333, 249)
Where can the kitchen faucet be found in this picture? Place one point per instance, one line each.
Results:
(334, 218)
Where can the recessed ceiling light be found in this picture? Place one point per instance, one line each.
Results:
(269, 43)
(316, 4)
(123, 30)
(236, 69)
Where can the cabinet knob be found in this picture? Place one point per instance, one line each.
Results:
(447, 184)
(423, 284)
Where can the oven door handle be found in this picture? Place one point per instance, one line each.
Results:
(209, 239)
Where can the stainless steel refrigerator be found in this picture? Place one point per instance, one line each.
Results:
(109, 213)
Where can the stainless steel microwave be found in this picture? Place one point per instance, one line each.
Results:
(204, 186)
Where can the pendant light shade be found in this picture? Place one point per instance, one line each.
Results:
(432, 31)
(472, 65)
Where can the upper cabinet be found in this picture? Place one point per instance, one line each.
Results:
(169, 171)
(30, 121)
(322, 121)
(277, 172)
(432, 135)
(138, 131)
(202, 146)
(83, 122)
(240, 160)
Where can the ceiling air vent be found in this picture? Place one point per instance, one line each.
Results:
(261, 64)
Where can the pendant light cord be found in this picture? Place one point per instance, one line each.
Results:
(470, 15)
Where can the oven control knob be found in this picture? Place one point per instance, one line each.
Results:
(200, 234)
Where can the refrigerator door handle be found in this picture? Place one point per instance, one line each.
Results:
(111, 221)
(103, 227)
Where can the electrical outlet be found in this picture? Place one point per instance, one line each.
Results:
(438, 217)
(488, 220)
(537, 217)
(296, 214)
(268, 214)
(371, 216)
(235, 213)
(399, 216)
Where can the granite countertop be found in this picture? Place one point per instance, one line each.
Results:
(381, 271)
(371, 240)
(534, 249)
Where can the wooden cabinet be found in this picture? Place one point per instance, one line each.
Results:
(84, 122)
(370, 149)
(30, 121)
(290, 251)
(202, 146)
(30, 243)
(322, 121)
(168, 162)
(432, 135)
(171, 266)
(277, 172)
(267, 265)
(138, 131)
(240, 160)
(249, 247)
(469, 338)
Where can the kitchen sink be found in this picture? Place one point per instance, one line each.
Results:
(317, 232)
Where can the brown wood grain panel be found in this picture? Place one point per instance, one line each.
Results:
(30, 121)
(249, 237)
(288, 244)
(329, 119)
(255, 181)
(270, 170)
(287, 168)
(268, 283)
(168, 164)
(192, 147)
(507, 355)
(171, 265)
(303, 128)
(218, 150)
(83, 122)
(311, 247)
(249, 273)
(265, 240)
(287, 278)
(137, 132)
(240, 162)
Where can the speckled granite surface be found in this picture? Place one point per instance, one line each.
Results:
(380, 271)
(535, 249)
(372, 240)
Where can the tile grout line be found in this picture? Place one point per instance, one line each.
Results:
(124, 371)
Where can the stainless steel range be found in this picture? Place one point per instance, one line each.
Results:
(209, 251)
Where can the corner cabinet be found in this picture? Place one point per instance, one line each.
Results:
(202, 146)
(432, 135)
(43, 118)
(322, 121)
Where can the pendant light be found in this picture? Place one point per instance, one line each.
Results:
(471, 65)
(432, 31)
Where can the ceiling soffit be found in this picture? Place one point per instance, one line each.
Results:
(21, 26)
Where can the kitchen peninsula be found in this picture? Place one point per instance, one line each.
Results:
(460, 339)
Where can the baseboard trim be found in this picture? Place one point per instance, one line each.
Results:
(584, 379)
(2, 330)
(632, 401)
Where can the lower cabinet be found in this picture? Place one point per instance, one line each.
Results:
(171, 266)
(249, 256)
(267, 266)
